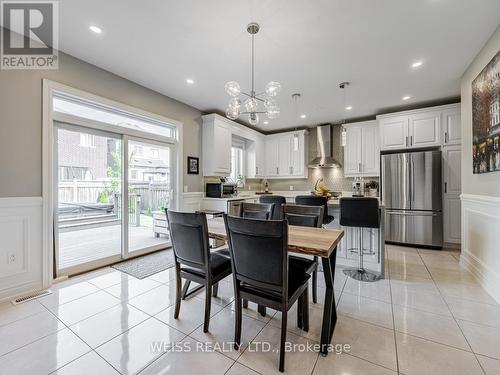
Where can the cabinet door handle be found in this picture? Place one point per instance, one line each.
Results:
(445, 187)
(446, 137)
(359, 167)
(406, 141)
(277, 170)
(256, 170)
(411, 140)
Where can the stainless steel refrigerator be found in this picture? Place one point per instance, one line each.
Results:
(411, 193)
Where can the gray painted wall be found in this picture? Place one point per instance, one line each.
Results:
(21, 119)
(480, 184)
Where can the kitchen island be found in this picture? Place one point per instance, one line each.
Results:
(373, 239)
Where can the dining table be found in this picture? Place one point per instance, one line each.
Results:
(320, 242)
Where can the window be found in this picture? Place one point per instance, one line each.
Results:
(238, 162)
(68, 173)
(155, 153)
(138, 150)
(87, 140)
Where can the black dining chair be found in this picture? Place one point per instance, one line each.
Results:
(193, 259)
(314, 200)
(260, 211)
(259, 260)
(305, 216)
(278, 201)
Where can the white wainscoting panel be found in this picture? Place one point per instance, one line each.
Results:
(20, 246)
(481, 240)
(191, 202)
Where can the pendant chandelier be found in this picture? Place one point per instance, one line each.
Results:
(252, 104)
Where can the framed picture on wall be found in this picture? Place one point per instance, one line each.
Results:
(486, 118)
(193, 165)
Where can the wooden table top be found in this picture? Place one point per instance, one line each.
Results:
(304, 240)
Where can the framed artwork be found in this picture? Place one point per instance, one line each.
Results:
(486, 118)
(193, 165)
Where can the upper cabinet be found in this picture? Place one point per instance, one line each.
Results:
(429, 127)
(362, 151)
(452, 127)
(216, 144)
(256, 160)
(286, 155)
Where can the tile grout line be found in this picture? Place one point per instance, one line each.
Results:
(453, 316)
(393, 320)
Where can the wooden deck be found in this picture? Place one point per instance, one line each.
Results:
(87, 245)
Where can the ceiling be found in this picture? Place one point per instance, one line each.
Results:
(307, 46)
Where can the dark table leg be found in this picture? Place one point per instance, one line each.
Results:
(329, 310)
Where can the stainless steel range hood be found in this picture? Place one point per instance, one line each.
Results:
(325, 157)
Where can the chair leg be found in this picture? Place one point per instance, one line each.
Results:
(305, 310)
(178, 295)
(284, 318)
(245, 304)
(315, 283)
(300, 313)
(185, 289)
(208, 303)
(261, 310)
(215, 289)
(237, 324)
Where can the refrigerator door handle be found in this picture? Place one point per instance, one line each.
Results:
(412, 197)
(401, 213)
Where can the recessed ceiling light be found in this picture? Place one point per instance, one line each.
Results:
(266, 122)
(348, 108)
(189, 81)
(407, 97)
(95, 29)
(303, 116)
(416, 64)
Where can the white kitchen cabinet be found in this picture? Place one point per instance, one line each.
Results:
(452, 127)
(424, 129)
(421, 128)
(286, 154)
(216, 144)
(452, 188)
(452, 169)
(394, 133)
(362, 152)
(256, 150)
(452, 213)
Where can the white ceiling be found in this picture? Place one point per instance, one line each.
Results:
(308, 46)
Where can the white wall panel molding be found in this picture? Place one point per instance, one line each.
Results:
(21, 250)
(481, 239)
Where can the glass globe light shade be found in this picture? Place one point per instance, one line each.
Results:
(251, 105)
(232, 113)
(273, 112)
(234, 103)
(233, 88)
(253, 119)
(273, 88)
(269, 102)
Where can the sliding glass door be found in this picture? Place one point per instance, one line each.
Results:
(112, 192)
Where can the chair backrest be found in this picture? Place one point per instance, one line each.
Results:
(189, 236)
(314, 200)
(359, 212)
(304, 216)
(262, 211)
(278, 201)
(259, 252)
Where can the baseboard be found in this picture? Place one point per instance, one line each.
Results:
(480, 239)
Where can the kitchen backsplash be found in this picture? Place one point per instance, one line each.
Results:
(333, 177)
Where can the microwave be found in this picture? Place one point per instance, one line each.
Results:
(219, 190)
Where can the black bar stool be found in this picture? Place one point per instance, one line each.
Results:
(360, 213)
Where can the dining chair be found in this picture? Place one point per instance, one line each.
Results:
(305, 216)
(261, 274)
(193, 259)
(262, 211)
(278, 201)
(315, 200)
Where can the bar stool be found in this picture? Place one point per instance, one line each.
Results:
(278, 201)
(360, 213)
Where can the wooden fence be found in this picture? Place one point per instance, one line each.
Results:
(153, 196)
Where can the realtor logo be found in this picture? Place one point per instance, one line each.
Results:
(29, 38)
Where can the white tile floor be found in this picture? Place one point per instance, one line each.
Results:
(428, 316)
